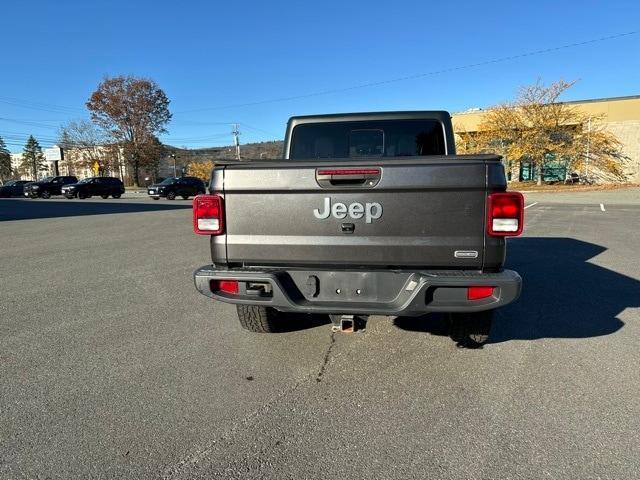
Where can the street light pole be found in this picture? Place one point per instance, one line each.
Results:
(174, 164)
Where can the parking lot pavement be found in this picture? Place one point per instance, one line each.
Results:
(113, 366)
(623, 196)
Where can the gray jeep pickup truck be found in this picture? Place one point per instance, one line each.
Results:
(366, 214)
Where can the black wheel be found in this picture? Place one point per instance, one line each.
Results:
(82, 195)
(105, 196)
(156, 198)
(259, 319)
(171, 196)
(46, 194)
(184, 197)
(116, 195)
(471, 330)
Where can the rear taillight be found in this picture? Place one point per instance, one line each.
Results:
(225, 286)
(208, 215)
(505, 214)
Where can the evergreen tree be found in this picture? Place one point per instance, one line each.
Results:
(5, 161)
(32, 158)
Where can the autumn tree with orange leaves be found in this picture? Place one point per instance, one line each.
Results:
(201, 169)
(133, 111)
(537, 124)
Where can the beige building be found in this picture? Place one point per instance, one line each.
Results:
(82, 164)
(621, 117)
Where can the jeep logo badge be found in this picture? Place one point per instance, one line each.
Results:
(370, 211)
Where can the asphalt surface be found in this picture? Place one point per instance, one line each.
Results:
(112, 366)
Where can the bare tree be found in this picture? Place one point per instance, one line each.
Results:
(133, 111)
(86, 147)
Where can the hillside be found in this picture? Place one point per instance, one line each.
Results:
(272, 150)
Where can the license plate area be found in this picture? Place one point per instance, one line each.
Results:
(349, 286)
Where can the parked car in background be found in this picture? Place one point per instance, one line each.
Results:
(88, 187)
(13, 188)
(48, 186)
(172, 187)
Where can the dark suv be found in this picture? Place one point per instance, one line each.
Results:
(48, 186)
(173, 186)
(13, 188)
(87, 187)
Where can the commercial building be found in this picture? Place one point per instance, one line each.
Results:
(95, 161)
(621, 116)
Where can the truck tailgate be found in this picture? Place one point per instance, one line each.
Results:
(421, 212)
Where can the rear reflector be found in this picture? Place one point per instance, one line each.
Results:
(505, 214)
(477, 293)
(208, 215)
(225, 286)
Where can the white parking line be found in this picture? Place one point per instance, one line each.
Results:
(602, 207)
(531, 205)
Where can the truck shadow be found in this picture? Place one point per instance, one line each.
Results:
(293, 322)
(14, 209)
(563, 295)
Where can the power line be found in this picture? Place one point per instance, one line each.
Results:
(35, 105)
(29, 123)
(259, 130)
(417, 75)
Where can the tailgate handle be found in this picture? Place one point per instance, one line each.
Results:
(351, 177)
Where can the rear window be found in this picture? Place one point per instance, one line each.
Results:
(381, 138)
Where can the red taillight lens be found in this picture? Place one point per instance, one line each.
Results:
(505, 214)
(208, 215)
(225, 286)
(477, 293)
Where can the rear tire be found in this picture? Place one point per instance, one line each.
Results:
(470, 330)
(116, 195)
(184, 197)
(171, 196)
(105, 196)
(258, 319)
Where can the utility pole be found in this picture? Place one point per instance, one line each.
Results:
(236, 139)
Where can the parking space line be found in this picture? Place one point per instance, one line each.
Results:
(531, 205)
(602, 207)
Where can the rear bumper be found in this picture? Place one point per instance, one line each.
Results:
(362, 292)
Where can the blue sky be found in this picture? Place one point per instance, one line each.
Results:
(219, 55)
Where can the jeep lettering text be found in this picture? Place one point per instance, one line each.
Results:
(370, 211)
